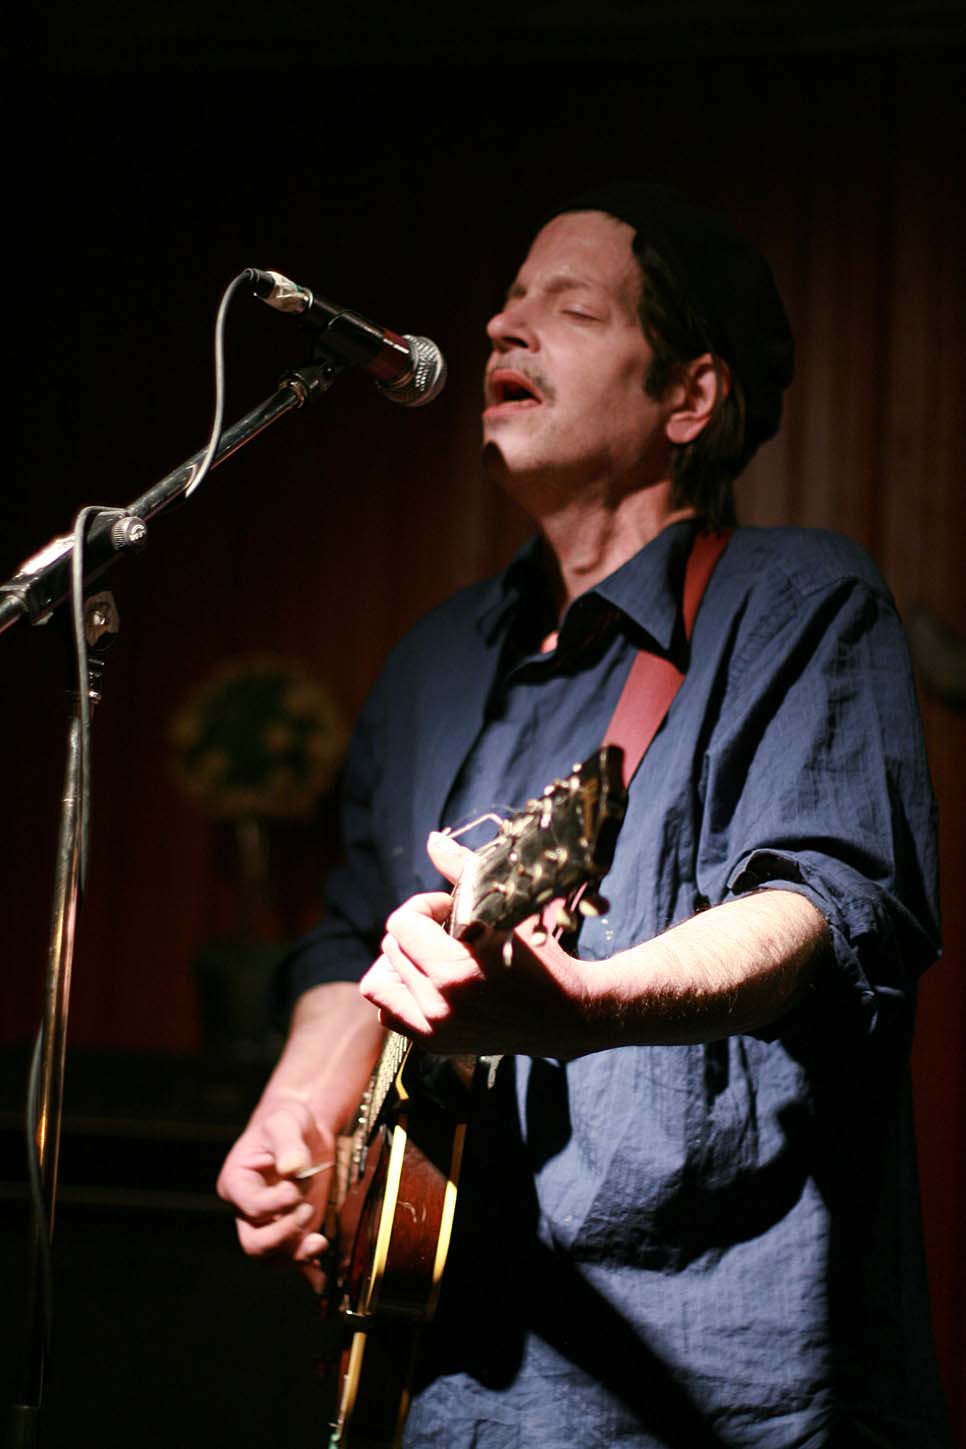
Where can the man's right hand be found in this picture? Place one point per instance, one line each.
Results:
(277, 1177)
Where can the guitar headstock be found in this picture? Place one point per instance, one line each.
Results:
(558, 843)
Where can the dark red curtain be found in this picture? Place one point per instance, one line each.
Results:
(323, 540)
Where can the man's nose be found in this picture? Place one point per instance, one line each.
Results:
(512, 328)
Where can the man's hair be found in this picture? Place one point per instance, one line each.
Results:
(702, 471)
(705, 289)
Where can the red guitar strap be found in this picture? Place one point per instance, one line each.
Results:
(654, 681)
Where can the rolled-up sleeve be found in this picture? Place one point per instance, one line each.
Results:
(817, 783)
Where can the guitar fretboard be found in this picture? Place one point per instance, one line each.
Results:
(394, 1052)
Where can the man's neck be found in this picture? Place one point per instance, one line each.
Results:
(587, 541)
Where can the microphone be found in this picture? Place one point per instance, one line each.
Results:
(408, 370)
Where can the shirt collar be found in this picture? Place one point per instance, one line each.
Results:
(523, 581)
(647, 588)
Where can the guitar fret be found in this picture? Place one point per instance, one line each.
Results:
(391, 1058)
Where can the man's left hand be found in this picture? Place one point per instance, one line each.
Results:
(454, 996)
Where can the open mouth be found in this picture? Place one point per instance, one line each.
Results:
(506, 387)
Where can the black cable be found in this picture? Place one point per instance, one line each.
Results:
(244, 278)
(83, 687)
(32, 1108)
(41, 1221)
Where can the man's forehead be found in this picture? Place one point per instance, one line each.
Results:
(580, 249)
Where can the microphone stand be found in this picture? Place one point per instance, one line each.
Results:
(43, 580)
(33, 592)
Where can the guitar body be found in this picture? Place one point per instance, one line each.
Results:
(396, 1224)
(397, 1177)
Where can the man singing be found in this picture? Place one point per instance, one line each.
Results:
(688, 1213)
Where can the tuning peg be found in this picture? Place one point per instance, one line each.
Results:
(538, 936)
(592, 905)
(566, 920)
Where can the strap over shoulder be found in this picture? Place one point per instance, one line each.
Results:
(654, 681)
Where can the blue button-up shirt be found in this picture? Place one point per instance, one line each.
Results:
(679, 1245)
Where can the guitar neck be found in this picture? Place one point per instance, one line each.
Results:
(558, 845)
(392, 1058)
(406, 1143)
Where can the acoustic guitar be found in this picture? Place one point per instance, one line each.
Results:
(397, 1171)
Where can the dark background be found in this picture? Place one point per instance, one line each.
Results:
(396, 161)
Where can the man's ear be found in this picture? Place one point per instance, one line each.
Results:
(701, 385)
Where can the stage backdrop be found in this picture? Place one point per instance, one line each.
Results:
(411, 198)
